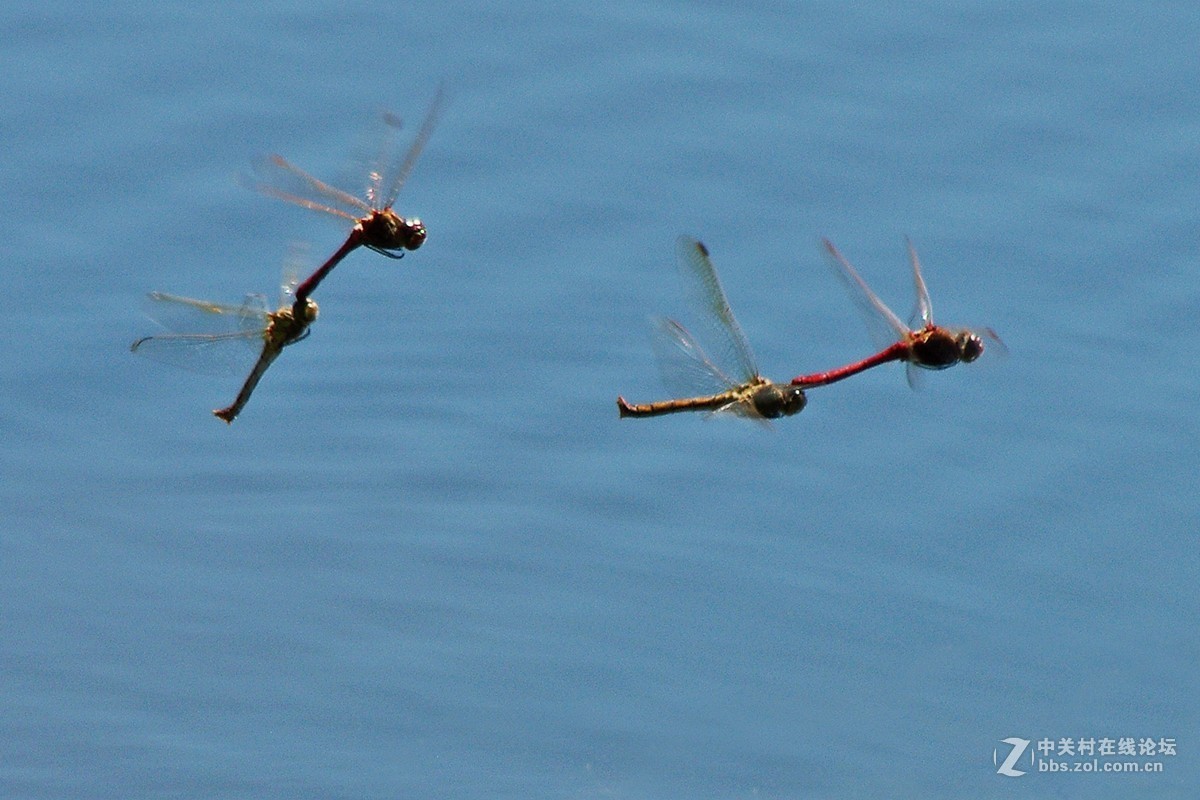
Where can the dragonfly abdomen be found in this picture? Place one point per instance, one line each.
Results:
(710, 403)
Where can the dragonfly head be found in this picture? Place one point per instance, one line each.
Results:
(970, 346)
(309, 312)
(416, 234)
(777, 400)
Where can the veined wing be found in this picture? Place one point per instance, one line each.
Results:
(279, 178)
(186, 315)
(206, 353)
(166, 301)
(686, 369)
(745, 411)
(290, 277)
(885, 327)
(915, 375)
(287, 289)
(922, 316)
(923, 312)
(205, 337)
(997, 344)
(720, 327)
(389, 179)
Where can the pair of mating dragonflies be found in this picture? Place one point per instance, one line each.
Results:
(375, 226)
(728, 378)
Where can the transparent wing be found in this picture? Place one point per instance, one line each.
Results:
(384, 161)
(720, 328)
(743, 410)
(186, 315)
(885, 327)
(253, 314)
(686, 369)
(915, 376)
(205, 353)
(392, 178)
(276, 177)
(205, 337)
(923, 312)
(994, 344)
(287, 289)
(293, 265)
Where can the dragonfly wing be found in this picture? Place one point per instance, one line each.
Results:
(885, 327)
(186, 315)
(915, 376)
(731, 350)
(253, 314)
(380, 165)
(287, 286)
(923, 312)
(211, 338)
(279, 178)
(743, 410)
(994, 341)
(172, 302)
(205, 353)
(392, 179)
(685, 368)
(289, 279)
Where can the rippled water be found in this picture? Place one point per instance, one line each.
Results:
(430, 561)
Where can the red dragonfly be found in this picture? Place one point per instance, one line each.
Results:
(376, 226)
(739, 388)
(923, 346)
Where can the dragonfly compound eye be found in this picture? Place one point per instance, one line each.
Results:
(970, 347)
(794, 400)
(310, 311)
(775, 401)
(416, 234)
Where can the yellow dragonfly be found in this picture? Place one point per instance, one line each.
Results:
(228, 333)
(738, 388)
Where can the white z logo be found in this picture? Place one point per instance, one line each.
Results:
(1018, 749)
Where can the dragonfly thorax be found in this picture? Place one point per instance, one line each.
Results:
(935, 348)
(386, 230)
(284, 327)
(776, 400)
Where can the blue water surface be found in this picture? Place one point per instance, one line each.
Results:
(429, 561)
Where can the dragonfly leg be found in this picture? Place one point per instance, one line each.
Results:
(383, 252)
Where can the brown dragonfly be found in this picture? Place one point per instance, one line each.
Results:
(923, 345)
(376, 226)
(228, 332)
(737, 389)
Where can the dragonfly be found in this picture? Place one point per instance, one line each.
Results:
(740, 389)
(923, 345)
(236, 327)
(376, 226)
